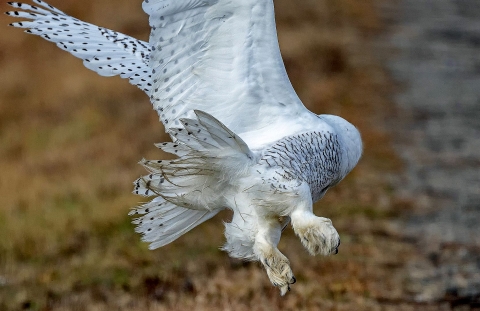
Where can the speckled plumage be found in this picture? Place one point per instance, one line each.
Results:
(242, 137)
(312, 157)
(104, 51)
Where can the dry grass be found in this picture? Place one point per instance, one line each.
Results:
(69, 141)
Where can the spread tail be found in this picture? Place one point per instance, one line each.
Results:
(190, 189)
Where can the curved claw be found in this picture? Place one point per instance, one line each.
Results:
(336, 248)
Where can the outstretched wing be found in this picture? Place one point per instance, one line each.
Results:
(104, 51)
(222, 57)
(218, 56)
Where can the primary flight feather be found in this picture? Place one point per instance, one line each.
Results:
(244, 140)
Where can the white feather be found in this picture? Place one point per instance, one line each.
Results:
(219, 54)
(162, 222)
(104, 51)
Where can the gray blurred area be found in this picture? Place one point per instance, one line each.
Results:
(436, 62)
(69, 141)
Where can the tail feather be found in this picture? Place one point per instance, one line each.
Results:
(198, 132)
(205, 161)
(180, 150)
(198, 143)
(221, 134)
(163, 222)
(190, 189)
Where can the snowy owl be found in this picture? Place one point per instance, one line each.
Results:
(243, 139)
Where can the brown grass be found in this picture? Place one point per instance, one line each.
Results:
(69, 143)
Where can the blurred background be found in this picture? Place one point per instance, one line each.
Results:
(405, 72)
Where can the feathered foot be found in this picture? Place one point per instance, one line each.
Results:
(278, 270)
(317, 234)
(275, 263)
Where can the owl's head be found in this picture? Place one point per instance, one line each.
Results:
(351, 140)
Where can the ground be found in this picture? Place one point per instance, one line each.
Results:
(436, 131)
(70, 141)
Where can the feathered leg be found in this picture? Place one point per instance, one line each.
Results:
(275, 263)
(317, 234)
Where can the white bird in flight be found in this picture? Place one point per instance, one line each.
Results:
(244, 140)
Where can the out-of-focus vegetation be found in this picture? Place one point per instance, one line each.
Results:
(70, 140)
